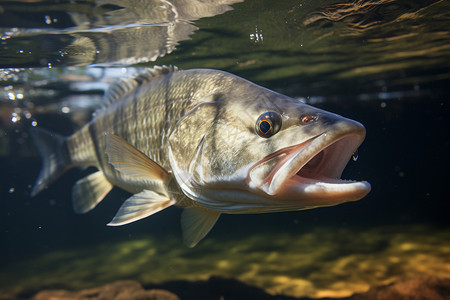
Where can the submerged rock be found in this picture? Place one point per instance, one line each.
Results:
(422, 288)
(217, 287)
(119, 290)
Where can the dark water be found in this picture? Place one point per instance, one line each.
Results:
(383, 63)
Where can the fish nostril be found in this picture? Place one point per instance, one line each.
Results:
(308, 118)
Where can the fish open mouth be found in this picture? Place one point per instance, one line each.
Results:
(312, 169)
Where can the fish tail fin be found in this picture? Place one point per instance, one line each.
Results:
(55, 157)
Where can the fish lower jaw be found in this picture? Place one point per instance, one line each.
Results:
(323, 191)
(299, 188)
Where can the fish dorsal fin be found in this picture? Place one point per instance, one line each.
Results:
(139, 206)
(156, 71)
(196, 222)
(118, 89)
(121, 87)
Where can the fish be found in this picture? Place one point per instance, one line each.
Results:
(209, 142)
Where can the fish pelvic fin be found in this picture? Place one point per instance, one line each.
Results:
(196, 222)
(89, 191)
(55, 157)
(139, 206)
(142, 171)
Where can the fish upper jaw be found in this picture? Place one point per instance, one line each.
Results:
(310, 171)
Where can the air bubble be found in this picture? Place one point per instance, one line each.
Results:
(15, 117)
(355, 155)
(48, 20)
(257, 36)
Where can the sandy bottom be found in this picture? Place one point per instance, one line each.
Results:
(325, 262)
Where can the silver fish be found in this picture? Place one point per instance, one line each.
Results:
(208, 141)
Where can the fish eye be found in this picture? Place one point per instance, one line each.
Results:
(268, 124)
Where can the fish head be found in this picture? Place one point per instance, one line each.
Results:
(251, 150)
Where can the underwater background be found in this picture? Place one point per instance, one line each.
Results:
(384, 63)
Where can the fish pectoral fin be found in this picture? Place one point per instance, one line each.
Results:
(139, 206)
(130, 161)
(196, 222)
(89, 191)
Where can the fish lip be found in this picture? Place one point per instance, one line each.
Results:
(335, 147)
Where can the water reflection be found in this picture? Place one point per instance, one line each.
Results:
(393, 35)
(106, 32)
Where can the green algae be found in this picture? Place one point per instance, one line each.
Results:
(325, 262)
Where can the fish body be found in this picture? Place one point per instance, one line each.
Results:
(208, 141)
